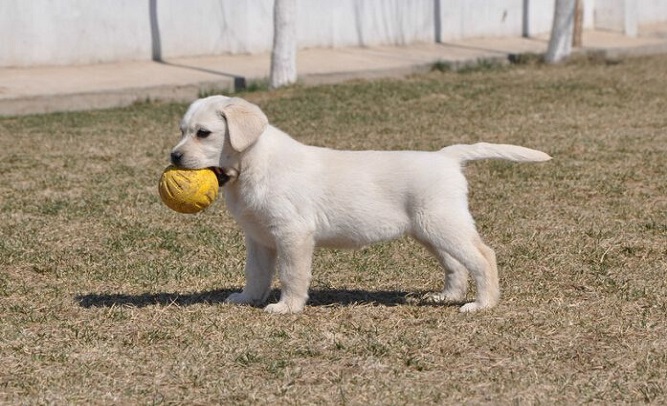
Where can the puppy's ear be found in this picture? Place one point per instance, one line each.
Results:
(245, 122)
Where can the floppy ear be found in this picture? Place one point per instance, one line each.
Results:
(245, 122)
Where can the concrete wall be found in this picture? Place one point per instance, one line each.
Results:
(651, 11)
(57, 32)
(627, 15)
(38, 32)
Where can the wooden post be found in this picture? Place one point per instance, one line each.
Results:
(577, 35)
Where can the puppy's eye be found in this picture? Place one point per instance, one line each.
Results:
(201, 133)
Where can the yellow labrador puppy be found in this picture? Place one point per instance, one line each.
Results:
(290, 198)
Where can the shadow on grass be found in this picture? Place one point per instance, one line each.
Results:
(318, 297)
(153, 299)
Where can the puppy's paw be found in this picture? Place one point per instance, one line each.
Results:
(241, 299)
(475, 306)
(283, 308)
(443, 297)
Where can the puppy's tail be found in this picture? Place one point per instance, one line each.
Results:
(483, 150)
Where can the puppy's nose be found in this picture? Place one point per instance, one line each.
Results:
(176, 157)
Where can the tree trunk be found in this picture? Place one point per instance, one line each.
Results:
(560, 43)
(283, 55)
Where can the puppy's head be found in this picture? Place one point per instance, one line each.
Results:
(215, 130)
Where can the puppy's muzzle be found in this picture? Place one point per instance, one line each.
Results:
(176, 158)
(223, 175)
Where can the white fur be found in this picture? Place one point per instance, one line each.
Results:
(290, 198)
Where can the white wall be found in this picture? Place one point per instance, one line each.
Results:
(326, 23)
(39, 32)
(499, 18)
(617, 15)
(651, 11)
(627, 15)
(56, 32)
(205, 27)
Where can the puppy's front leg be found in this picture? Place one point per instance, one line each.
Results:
(295, 257)
(259, 269)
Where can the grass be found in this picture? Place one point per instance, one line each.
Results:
(107, 297)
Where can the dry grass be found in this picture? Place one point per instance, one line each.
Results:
(107, 297)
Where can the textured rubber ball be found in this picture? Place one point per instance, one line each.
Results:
(188, 190)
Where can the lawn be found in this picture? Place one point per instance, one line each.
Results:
(108, 297)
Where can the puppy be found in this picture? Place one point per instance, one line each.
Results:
(290, 198)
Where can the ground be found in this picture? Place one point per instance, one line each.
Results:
(108, 297)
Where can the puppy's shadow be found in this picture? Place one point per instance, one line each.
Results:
(318, 297)
(350, 297)
(153, 299)
(388, 298)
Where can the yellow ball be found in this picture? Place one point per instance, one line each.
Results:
(188, 190)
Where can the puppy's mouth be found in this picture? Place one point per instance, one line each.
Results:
(222, 175)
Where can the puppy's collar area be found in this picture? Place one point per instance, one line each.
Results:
(224, 175)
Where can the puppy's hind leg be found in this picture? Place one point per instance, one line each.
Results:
(295, 257)
(259, 269)
(455, 237)
(486, 279)
(456, 277)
